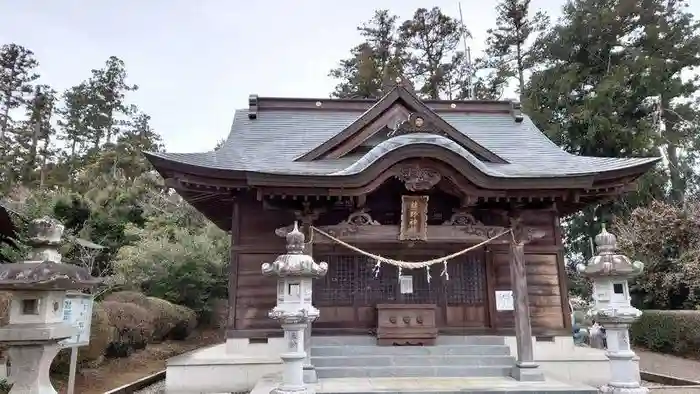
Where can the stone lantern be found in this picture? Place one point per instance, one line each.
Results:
(38, 286)
(295, 272)
(612, 308)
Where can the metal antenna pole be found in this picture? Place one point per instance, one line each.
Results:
(468, 54)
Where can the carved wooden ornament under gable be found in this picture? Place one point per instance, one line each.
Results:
(415, 123)
(418, 178)
(414, 218)
(350, 225)
(471, 226)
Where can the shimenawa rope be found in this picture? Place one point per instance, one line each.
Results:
(407, 264)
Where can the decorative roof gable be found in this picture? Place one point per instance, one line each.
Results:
(398, 112)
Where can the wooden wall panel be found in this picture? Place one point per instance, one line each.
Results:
(256, 294)
(258, 225)
(258, 243)
(543, 289)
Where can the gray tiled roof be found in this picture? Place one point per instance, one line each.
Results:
(272, 142)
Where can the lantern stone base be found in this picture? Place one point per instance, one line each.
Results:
(30, 368)
(32, 349)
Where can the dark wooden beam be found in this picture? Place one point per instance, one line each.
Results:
(234, 265)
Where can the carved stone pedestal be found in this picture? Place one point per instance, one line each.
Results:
(624, 370)
(310, 375)
(293, 357)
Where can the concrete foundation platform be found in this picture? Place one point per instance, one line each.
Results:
(239, 364)
(430, 385)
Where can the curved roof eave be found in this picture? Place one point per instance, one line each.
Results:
(164, 162)
(395, 150)
(386, 147)
(358, 175)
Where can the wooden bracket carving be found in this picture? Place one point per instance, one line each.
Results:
(522, 234)
(417, 178)
(308, 215)
(472, 226)
(415, 123)
(305, 216)
(349, 226)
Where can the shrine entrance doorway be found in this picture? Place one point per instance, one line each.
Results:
(349, 294)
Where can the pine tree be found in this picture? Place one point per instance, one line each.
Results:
(106, 91)
(17, 73)
(434, 63)
(36, 134)
(667, 47)
(588, 97)
(377, 59)
(74, 127)
(507, 50)
(125, 155)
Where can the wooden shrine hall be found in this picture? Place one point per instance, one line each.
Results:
(409, 180)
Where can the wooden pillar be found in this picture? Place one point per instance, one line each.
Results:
(525, 367)
(233, 268)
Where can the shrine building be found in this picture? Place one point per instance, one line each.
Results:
(437, 218)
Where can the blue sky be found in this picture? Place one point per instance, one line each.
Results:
(197, 61)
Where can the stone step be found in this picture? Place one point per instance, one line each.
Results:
(374, 350)
(432, 385)
(362, 340)
(413, 361)
(413, 371)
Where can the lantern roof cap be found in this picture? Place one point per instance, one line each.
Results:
(607, 262)
(295, 262)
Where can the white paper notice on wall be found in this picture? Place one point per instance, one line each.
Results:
(406, 284)
(504, 300)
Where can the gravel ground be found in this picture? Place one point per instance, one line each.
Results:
(158, 388)
(669, 365)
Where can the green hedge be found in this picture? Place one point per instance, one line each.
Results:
(671, 332)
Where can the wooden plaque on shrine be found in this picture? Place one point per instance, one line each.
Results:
(414, 218)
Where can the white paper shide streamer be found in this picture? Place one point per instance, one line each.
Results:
(400, 264)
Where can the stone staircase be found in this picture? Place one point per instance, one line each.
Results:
(452, 356)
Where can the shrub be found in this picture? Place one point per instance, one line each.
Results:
(219, 312)
(134, 326)
(666, 237)
(672, 332)
(102, 334)
(165, 315)
(179, 266)
(186, 325)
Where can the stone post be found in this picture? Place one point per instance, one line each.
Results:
(38, 286)
(613, 310)
(294, 310)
